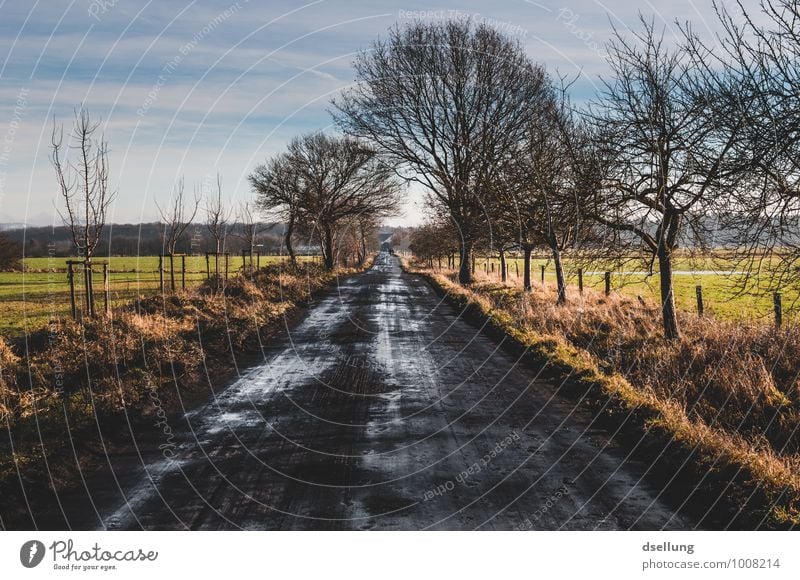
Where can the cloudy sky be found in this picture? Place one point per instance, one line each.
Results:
(206, 87)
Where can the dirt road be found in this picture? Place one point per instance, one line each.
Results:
(382, 409)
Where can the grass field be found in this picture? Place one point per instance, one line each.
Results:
(721, 297)
(29, 299)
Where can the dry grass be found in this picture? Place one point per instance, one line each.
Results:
(729, 390)
(72, 374)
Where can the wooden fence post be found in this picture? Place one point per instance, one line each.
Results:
(778, 309)
(71, 278)
(226, 266)
(87, 289)
(90, 284)
(208, 267)
(172, 272)
(183, 272)
(105, 288)
(161, 272)
(699, 292)
(580, 280)
(516, 263)
(608, 283)
(542, 275)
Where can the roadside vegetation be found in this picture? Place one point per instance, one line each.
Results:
(727, 394)
(155, 355)
(38, 291)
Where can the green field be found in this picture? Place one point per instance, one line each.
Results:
(29, 299)
(721, 296)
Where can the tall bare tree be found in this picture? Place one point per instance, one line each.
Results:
(83, 183)
(668, 158)
(540, 194)
(762, 52)
(446, 103)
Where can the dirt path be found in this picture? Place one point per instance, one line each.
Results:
(382, 409)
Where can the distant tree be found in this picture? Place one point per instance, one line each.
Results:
(328, 181)
(10, 253)
(84, 188)
(447, 103)
(249, 228)
(177, 216)
(217, 217)
(277, 187)
(364, 234)
(435, 238)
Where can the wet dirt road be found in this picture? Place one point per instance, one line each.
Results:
(382, 409)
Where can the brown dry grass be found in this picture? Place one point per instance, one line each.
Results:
(71, 374)
(729, 389)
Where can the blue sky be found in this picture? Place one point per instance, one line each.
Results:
(206, 87)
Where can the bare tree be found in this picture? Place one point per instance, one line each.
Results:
(277, 187)
(84, 187)
(364, 229)
(762, 53)
(332, 180)
(217, 216)
(539, 197)
(668, 159)
(446, 103)
(177, 217)
(250, 228)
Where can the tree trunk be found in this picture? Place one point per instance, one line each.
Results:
(465, 264)
(526, 277)
(327, 248)
(362, 250)
(503, 265)
(670, 318)
(287, 239)
(561, 281)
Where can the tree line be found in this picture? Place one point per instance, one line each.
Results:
(684, 144)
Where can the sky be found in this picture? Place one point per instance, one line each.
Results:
(201, 88)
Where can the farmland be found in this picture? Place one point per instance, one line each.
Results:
(40, 292)
(721, 294)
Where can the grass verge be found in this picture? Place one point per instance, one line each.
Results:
(153, 357)
(724, 436)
